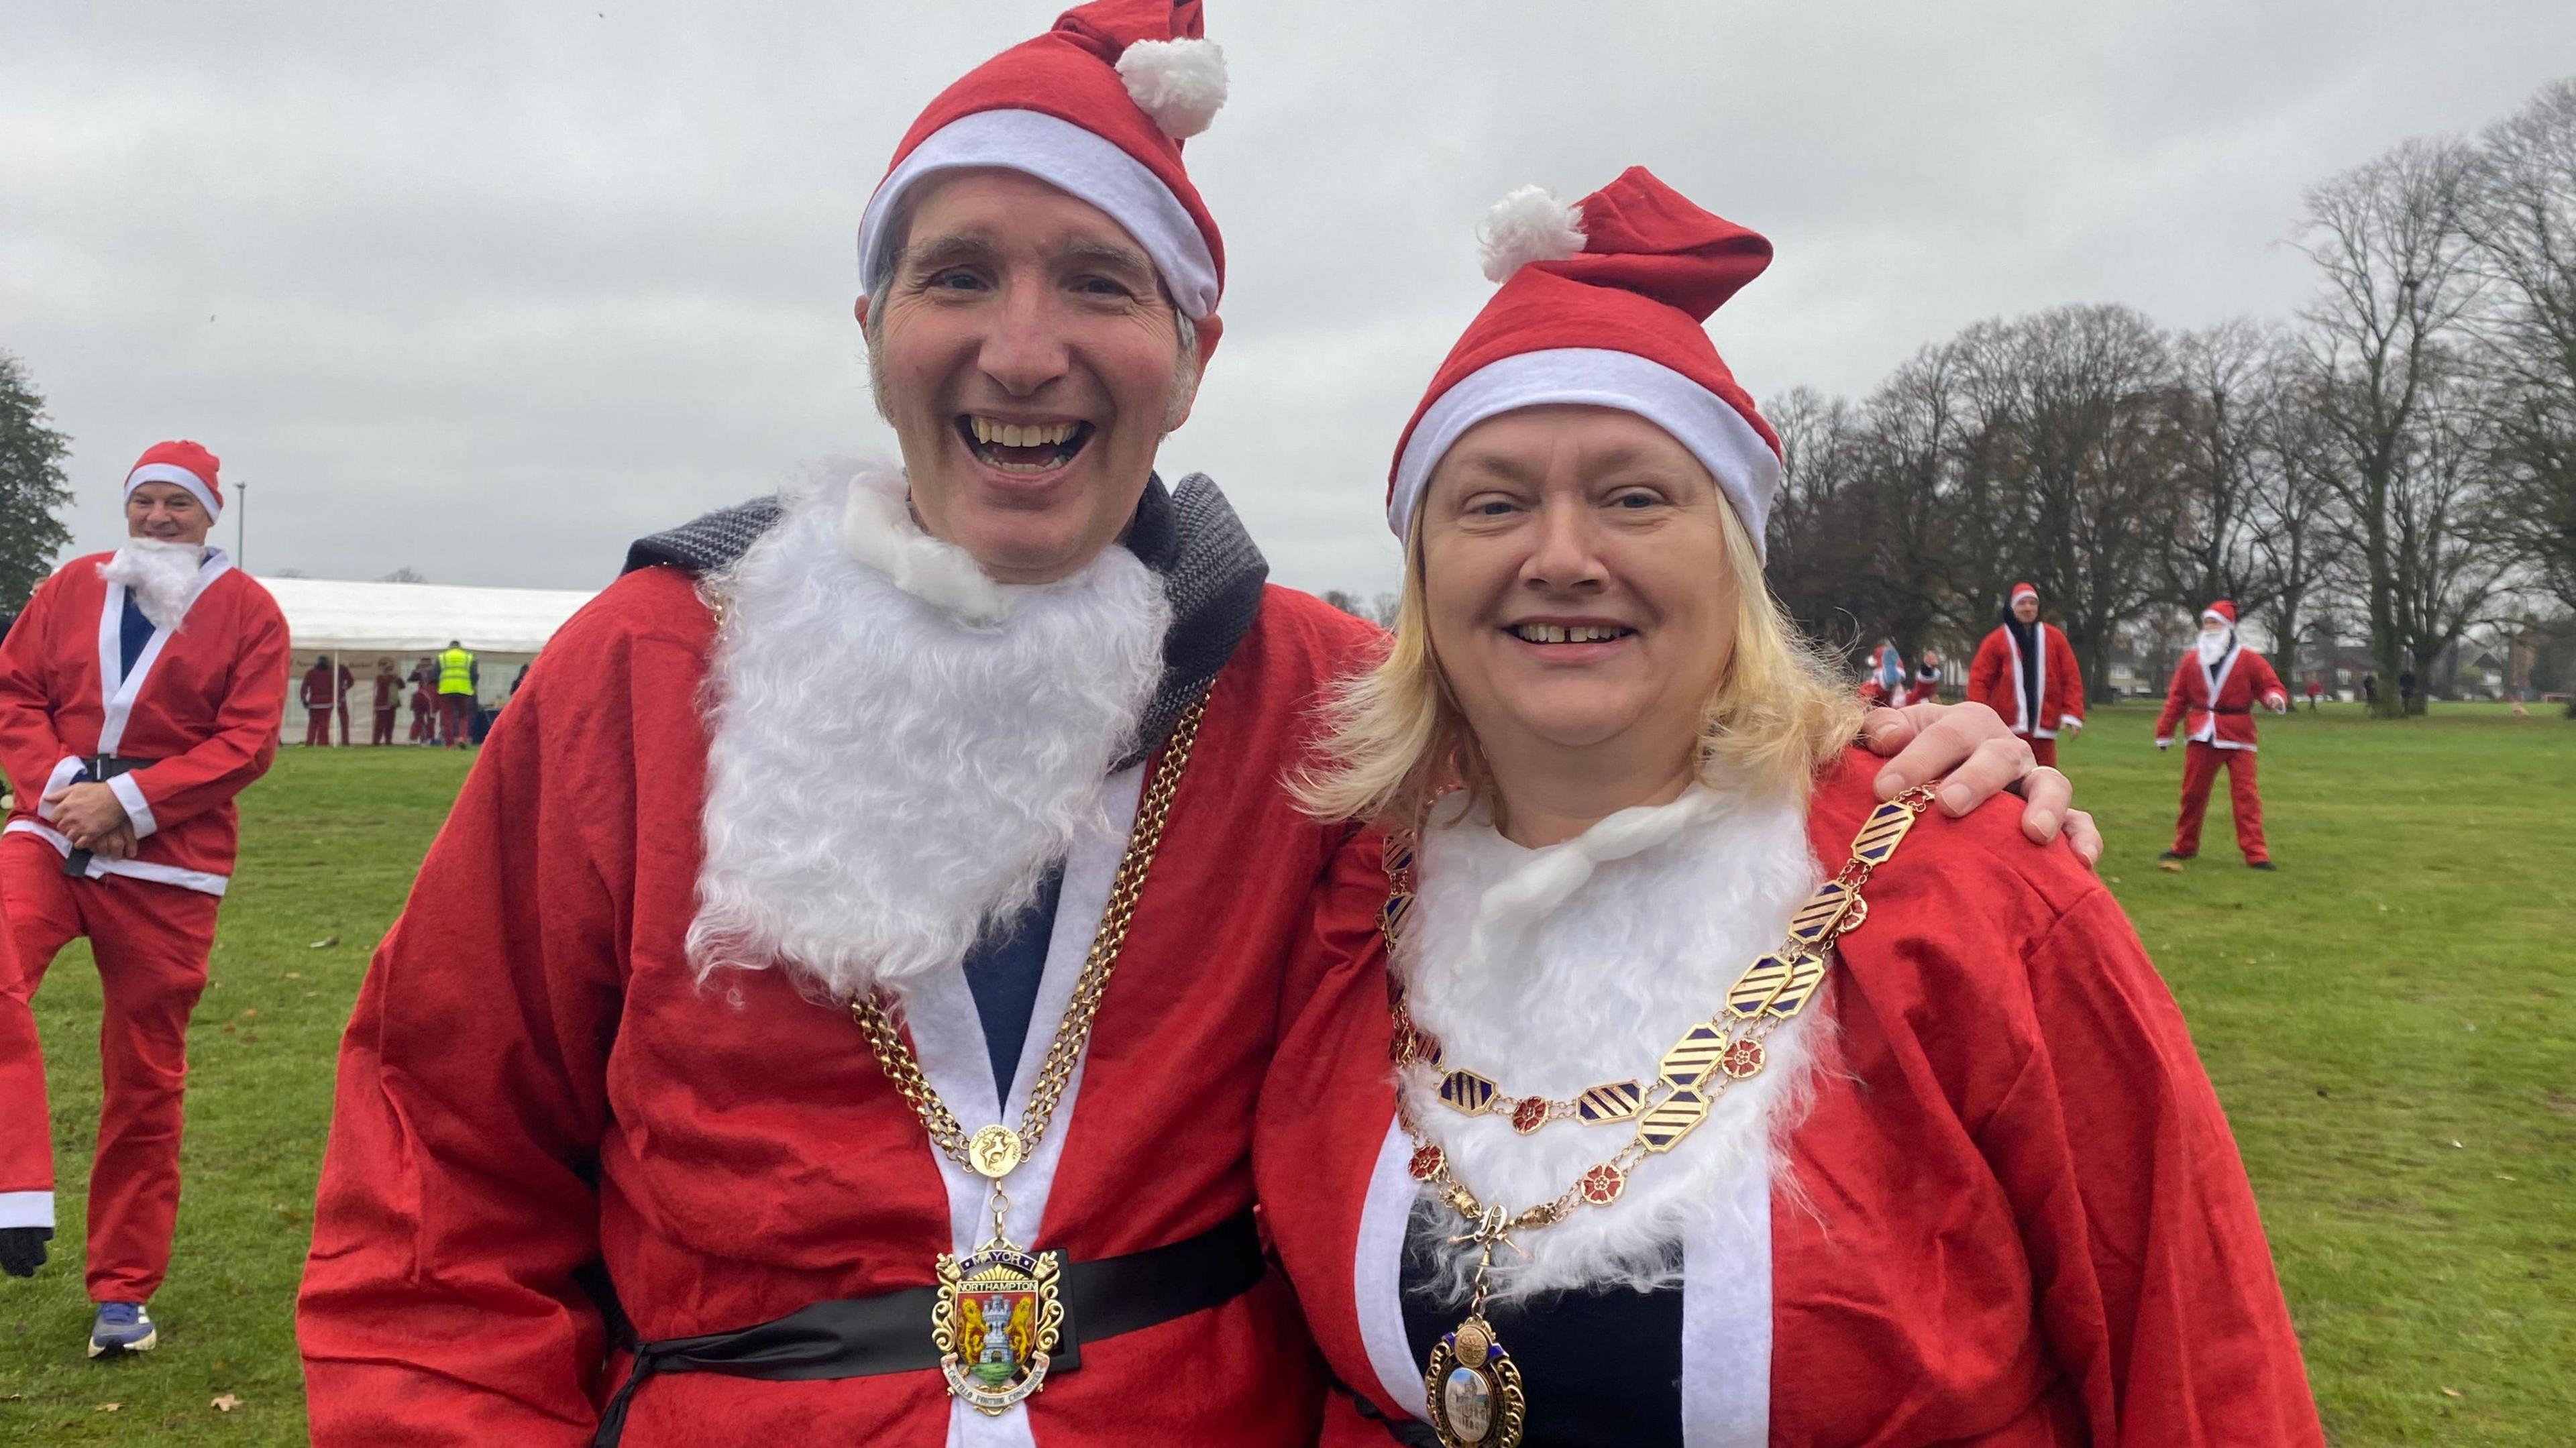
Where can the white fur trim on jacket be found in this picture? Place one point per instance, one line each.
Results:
(1073, 160)
(1746, 469)
(1557, 969)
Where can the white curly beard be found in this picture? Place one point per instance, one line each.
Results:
(160, 577)
(886, 773)
(1559, 969)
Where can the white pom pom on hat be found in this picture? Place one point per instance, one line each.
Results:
(1180, 83)
(1526, 226)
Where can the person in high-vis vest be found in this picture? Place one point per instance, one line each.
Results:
(457, 677)
(139, 693)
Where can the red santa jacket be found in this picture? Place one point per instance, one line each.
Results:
(1994, 677)
(203, 701)
(2013, 1214)
(2242, 679)
(535, 1080)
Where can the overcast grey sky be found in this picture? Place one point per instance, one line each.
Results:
(486, 290)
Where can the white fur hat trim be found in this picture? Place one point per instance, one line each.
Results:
(1528, 225)
(1078, 162)
(1179, 83)
(1745, 468)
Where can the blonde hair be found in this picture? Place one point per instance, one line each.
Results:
(1394, 737)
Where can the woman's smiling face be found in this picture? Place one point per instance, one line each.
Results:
(1576, 583)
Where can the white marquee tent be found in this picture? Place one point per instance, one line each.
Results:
(358, 623)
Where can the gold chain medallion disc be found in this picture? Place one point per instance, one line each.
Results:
(993, 1151)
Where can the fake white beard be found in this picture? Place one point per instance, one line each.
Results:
(898, 753)
(2213, 647)
(161, 577)
(1554, 970)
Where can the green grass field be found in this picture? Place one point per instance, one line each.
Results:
(2391, 1020)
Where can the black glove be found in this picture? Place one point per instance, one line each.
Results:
(22, 1249)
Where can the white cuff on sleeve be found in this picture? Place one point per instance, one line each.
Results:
(138, 810)
(61, 776)
(26, 1209)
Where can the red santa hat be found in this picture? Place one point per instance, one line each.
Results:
(2223, 611)
(1602, 303)
(181, 462)
(2021, 591)
(1097, 107)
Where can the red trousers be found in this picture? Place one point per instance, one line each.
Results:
(422, 730)
(2200, 765)
(2042, 750)
(384, 727)
(150, 941)
(317, 726)
(456, 719)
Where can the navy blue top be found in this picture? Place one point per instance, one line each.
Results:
(134, 631)
(1601, 1366)
(1003, 971)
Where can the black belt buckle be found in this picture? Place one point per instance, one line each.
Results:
(100, 768)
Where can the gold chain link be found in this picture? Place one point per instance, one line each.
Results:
(1072, 1033)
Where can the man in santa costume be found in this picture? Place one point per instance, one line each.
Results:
(2025, 671)
(1927, 678)
(139, 692)
(1886, 682)
(2212, 696)
(752, 998)
(388, 702)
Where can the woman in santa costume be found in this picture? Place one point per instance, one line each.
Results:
(2025, 670)
(2212, 696)
(140, 691)
(1730, 1105)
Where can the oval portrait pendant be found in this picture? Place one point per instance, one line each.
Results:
(1474, 1389)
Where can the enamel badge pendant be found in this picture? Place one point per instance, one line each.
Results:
(1474, 1389)
(995, 1322)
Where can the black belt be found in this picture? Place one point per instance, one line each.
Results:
(890, 1333)
(101, 768)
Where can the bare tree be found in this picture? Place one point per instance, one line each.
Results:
(2087, 444)
(1813, 544)
(2296, 531)
(2387, 239)
(2520, 219)
(2446, 574)
(2227, 395)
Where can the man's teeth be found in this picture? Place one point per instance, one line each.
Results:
(1013, 434)
(1553, 633)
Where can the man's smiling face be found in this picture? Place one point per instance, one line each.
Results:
(1030, 362)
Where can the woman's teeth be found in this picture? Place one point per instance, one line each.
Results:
(1552, 633)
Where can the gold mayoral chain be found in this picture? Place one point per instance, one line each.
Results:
(997, 1315)
(1472, 1387)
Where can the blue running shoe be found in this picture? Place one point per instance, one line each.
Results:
(121, 1327)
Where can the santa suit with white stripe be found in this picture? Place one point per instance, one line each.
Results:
(2212, 698)
(538, 1078)
(200, 698)
(1982, 1193)
(2038, 689)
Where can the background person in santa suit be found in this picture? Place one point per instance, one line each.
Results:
(1663, 1160)
(1927, 679)
(139, 692)
(2212, 697)
(609, 1054)
(1886, 683)
(2025, 671)
(316, 693)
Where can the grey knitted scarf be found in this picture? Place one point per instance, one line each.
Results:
(1189, 536)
